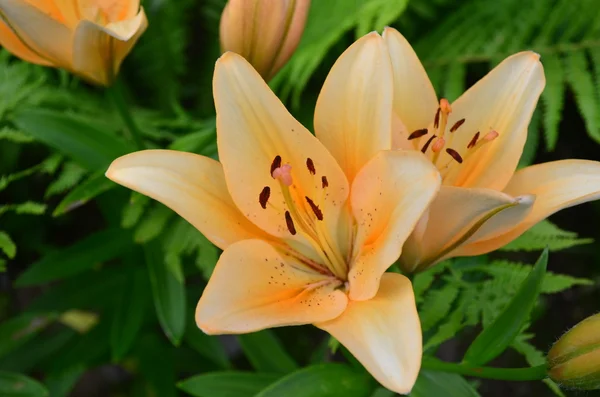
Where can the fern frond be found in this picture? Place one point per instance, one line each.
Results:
(26, 208)
(15, 136)
(7, 245)
(545, 234)
(437, 305)
(552, 98)
(71, 175)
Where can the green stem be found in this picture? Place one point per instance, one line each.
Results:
(517, 374)
(115, 92)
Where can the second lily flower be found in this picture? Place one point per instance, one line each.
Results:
(308, 226)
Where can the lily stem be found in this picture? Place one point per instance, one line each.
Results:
(115, 92)
(517, 374)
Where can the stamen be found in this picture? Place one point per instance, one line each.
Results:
(275, 164)
(424, 149)
(417, 134)
(438, 145)
(263, 197)
(473, 140)
(283, 174)
(311, 166)
(457, 125)
(315, 208)
(290, 223)
(454, 155)
(436, 119)
(324, 182)
(490, 136)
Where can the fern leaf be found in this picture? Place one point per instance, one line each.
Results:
(7, 245)
(552, 98)
(447, 330)
(15, 136)
(437, 305)
(153, 224)
(545, 234)
(70, 176)
(532, 142)
(133, 211)
(580, 80)
(26, 208)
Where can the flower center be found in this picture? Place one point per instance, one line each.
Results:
(304, 216)
(433, 140)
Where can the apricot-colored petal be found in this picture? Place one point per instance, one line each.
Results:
(15, 46)
(253, 128)
(189, 184)
(415, 102)
(100, 50)
(383, 333)
(389, 195)
(353, 115)
(502, 101)
(293, 34)
(254, 287)
(38, 31)
(556, 185)
(115, 10)
(456, 216)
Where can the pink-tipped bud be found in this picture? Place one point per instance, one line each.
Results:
(445, 106)
(490, 136)
(438, 145)
(283, 174)
(265, 32)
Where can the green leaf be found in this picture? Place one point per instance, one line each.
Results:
(18, 330)
(92, 187)
(168, 293)
(207, 345)
(265, 352)
(71, 175)
(226, 384)
(26, 208)
(447, 329)
(91, 147)
(382, 392)
(545, 234)
(17, 385)
(15, 136)
(195, 141)
(7, 245)
(582, 83)
(153, 223)
(437, 305)
(77, 258)
(133, 211)
(323, 380)
(129, 314)
(495, 338)
(552, 97)
(60, 384)
(435, 383)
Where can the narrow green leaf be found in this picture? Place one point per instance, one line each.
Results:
(168, 293)
(133, 211)
(323, 380)
(60, 384)
(382, 392)
(208, 346)
(18, 330)
(7, 245)
(91, 147)
(26, 208)
(17, 385)
(15, 136)
(153, 223)
(129, 314)
(265, 352)
(77, 258)
(95, 185)
(495, 338)
(435, 383)
(226, 384)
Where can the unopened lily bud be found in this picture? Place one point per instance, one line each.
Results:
(89, 38)
(265, 32)
(574, 361)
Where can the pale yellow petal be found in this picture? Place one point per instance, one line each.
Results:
(41, 34)
(100, 50)
(254, 287)
(15, 46)
(353, 115)
(293, 34)
(502, 101)
(415, 102)
(253, 127)
(456, 216)
(191, 185)
(556, 185)
(384, 333)
(389, 195)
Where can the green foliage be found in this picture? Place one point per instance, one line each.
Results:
(545, 234)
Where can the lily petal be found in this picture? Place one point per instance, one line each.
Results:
(15, 46)
(254, 287)
(389, 195)
(100, 50)
(254, 127)
(556, 185)
(38, 31)
(415, 101)
(456, 216)
(503, 101)
(353, 115)
(383, 333)
(189, 184)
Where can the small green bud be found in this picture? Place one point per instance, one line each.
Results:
(574, 361)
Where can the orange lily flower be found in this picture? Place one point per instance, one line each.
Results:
(308, 224)
(476, 143)
(87, 37)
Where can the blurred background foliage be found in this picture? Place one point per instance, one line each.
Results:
(99, 284)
